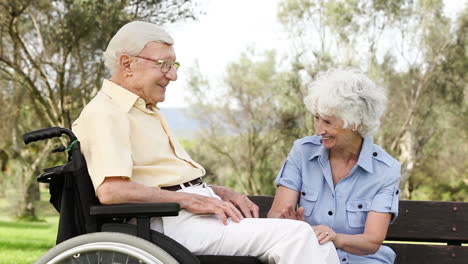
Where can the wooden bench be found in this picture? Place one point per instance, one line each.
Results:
(420, 222)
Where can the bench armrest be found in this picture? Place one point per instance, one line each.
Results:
(130, 210)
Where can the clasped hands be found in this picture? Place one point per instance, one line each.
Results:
(323, 233)
(232, 205)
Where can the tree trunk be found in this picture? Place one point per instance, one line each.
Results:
(28, 186)
(409, 149)
(26, 207)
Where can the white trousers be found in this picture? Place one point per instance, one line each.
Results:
(271, 240)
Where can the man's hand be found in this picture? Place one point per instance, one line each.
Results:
(290, 213)
(241, 201)
(199, 204)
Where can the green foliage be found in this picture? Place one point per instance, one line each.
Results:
(244, 143)
(294, 9)
(51, 64)
(407, 46)
(340, 15)
(424, 70)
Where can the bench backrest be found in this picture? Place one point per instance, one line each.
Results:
(422, 222)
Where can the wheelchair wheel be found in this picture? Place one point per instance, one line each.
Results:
(106, 248)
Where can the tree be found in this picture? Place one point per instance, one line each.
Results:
(51, 57)
(250, 129)
(407, 46)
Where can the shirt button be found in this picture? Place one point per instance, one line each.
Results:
(303, 193)
(374, 154)
(330, 213)
(397, 192)
(344, 259)
(359, 206)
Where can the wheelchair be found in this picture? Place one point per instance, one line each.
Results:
(89, 232)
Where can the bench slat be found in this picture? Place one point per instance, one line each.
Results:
(423, 254)
(431, 222)
(424, 221)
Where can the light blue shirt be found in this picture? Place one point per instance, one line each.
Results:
(372, 185)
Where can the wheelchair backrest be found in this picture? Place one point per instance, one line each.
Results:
(72, 192)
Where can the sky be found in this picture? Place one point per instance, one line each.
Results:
(226, 29)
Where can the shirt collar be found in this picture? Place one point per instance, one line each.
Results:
(121, 96)
(320, 151)
(141, 104)
(365, 157)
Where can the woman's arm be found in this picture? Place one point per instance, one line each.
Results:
(285, 200)
(360, 244)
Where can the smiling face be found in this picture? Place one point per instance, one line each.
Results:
(146, 78)
(334, 136)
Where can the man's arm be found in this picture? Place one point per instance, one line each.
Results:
(116, 190)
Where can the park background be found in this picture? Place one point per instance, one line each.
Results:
(238, 104)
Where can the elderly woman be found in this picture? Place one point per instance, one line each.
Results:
(345, 186)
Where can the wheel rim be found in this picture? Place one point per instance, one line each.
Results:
(83, 250)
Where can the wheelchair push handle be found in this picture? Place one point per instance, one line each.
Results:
(47, 133)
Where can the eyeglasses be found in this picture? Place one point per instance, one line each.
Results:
(164, 65)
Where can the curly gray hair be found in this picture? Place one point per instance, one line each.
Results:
(131, 39)
(349, 95)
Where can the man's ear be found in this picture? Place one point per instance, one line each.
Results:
(125, 62)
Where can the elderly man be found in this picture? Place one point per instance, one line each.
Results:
(133, 157)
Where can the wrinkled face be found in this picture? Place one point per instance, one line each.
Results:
(332, 132)
(148, 81)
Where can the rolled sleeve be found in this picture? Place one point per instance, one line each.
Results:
(387, 198)
(105, 144)
(290, 173)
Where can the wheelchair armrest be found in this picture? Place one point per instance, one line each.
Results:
(130, 210)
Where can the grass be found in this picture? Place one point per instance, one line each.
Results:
(24, 242)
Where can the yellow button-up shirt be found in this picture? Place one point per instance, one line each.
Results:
(119, 136)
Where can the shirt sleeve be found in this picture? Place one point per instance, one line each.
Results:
(290, 174)
(105, 144)
(387, 198)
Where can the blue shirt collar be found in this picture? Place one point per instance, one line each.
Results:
(316, 140)
(365, 157)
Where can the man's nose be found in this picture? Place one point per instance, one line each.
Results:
(172, 74)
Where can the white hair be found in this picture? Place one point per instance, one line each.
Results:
(349, 95)
(131, 39)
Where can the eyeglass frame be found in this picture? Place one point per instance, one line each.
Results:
(161, 62)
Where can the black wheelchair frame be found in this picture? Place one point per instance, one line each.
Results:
(88, 229)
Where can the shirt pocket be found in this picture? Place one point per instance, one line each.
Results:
(356, 211)
(308, 199)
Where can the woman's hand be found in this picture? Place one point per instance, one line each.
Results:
(290, 213)
(324, 234)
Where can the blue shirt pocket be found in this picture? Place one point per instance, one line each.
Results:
(308, 199)
(356, 211)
